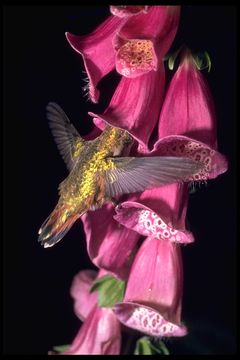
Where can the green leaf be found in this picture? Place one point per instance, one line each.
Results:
(143, 347)
(110, 290)
(209, 62)
(61, 348)
(203, 61)
(148, 346)
(171, 58)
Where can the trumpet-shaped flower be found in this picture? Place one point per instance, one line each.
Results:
(110, 245)
(161, 212)
(130, 104)
(100, 333)
(152, 301)
(188, 107)
(135, 45)
(143, 40)
(158, 214)
(137, 41)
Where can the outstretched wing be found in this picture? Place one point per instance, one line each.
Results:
(137, 174)
(67, 138)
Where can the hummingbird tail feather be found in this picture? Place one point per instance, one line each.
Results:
(53, 229)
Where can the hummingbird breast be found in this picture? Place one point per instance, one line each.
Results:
(85, 185)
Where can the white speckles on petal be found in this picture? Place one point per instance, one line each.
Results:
(149, 322)
(150, 224)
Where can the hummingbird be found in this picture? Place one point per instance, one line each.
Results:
(99, 174)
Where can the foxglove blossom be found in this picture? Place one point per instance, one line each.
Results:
(100, 333)
(110, 245)
(144, 39)
(138, 46)
(152, 301)
(188, 105)
(130, 112)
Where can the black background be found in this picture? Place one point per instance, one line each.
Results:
(40, 66)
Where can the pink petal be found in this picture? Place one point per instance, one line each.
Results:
(152, 301)
(214, 162)
(124, 11)
(188, 107)
(130, 104)
(84, 301)
(147, 320)
(159, 25)
(161, 212)
(100, 334)
(97, 52)
(158, 212)
(137, 217)
(109, 244)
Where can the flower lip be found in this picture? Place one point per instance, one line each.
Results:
(213, 162)
(153, 297)
(142, 219)
(147, 320)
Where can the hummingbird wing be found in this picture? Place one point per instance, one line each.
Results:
(135, 174)
(67, 138)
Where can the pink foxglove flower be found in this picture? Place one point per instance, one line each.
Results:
(110, 245)
(100, 333)
(158, 213)
(152, 301)
(130, 104)
(188, 105)
(161, 212)
(143, 40)
(138, 46)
